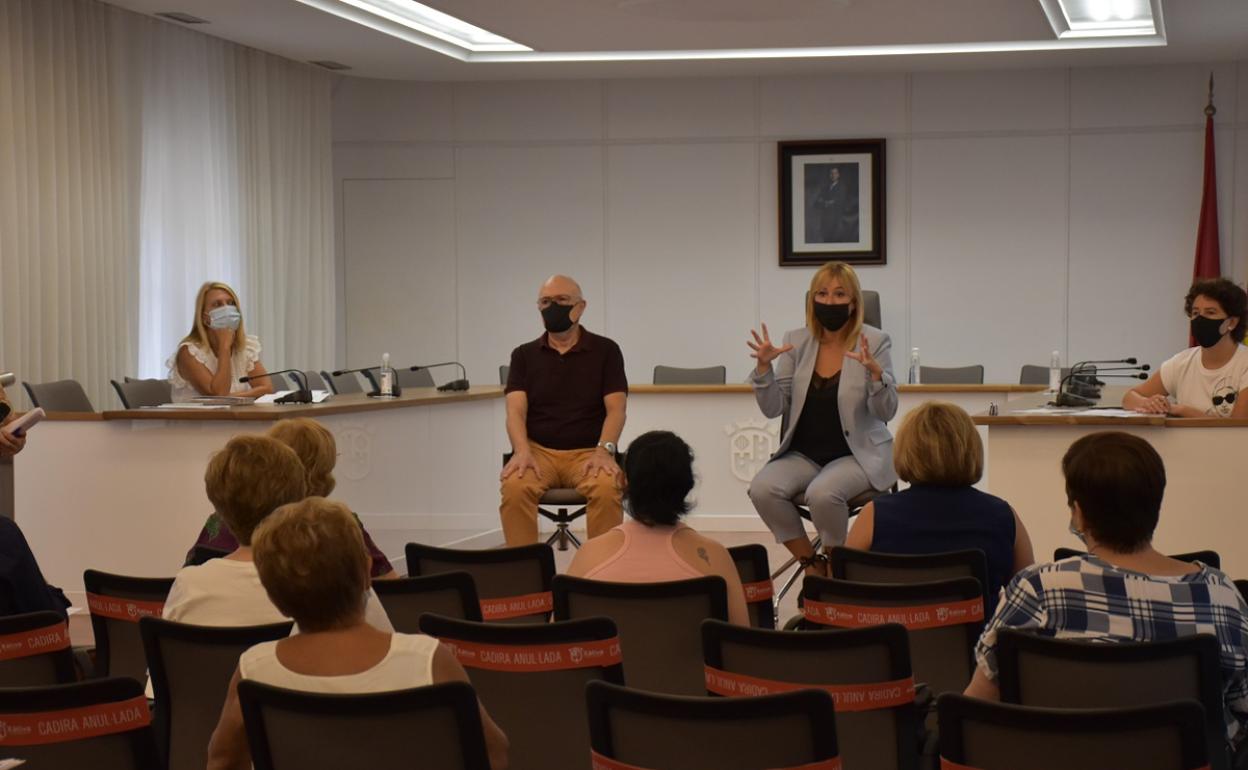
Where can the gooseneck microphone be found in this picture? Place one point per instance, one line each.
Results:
(460, 384)
(367, 371)
(1081, 388)
(303, 395)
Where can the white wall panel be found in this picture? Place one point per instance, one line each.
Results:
(1241, 101)
(988, 253)
(1121, 97)
(999, 100)
(680, 253)
(848, 105)
(1132, 238)
(393, 161)
(681, 108)
(399, 243)
(391, 111)
(523, 214)
(545, 111)
(1239, 213)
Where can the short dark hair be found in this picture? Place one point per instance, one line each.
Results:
(659, 473)
(1118, 480)
(1233, 300)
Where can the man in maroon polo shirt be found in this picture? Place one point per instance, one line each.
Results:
(566, 398)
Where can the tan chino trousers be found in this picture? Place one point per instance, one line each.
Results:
(558, 468)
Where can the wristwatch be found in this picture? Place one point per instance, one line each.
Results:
(607, 445)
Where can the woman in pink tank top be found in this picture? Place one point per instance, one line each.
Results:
(653, 545)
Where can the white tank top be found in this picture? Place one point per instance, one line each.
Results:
(409, 663)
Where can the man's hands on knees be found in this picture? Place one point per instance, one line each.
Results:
(601, 462)
(521, 462)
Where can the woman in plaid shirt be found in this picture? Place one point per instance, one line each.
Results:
(1123, 589)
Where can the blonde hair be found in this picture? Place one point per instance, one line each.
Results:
(937, 444)
(250, 478)
(849, 281)
(316, 448)
(198, 335)
(313, 563)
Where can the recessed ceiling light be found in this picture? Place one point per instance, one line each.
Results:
(1103, 18)
(423, 20)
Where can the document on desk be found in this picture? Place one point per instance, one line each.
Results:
(317, 396)
(185, 405)
(1066, 411)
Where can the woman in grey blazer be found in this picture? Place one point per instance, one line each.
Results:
(832, 382)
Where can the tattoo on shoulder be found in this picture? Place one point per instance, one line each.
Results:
(703, 555)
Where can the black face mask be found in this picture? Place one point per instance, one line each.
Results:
(1207, 331)
(557, 318)
(832, 317)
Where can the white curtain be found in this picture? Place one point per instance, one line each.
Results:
(68, 196)
(137, 160)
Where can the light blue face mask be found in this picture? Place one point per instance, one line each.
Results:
(224, 317)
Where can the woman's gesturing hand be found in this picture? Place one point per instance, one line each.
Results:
(763, 349)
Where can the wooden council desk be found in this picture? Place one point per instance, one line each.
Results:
(1204, 458)
(122, 491)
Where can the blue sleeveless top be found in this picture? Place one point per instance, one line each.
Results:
(928, 519)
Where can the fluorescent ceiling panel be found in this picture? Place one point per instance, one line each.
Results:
(1077, 24)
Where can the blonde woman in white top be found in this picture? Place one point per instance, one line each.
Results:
(315, 568)
(217, 334)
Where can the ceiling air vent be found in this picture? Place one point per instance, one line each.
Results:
(184, 18)
(331, 65)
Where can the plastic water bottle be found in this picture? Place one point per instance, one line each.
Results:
(1055, 371)
(385, 378)
(915, 373)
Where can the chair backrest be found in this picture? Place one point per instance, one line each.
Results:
(944, 618)
(1242, 586)
(117, 602)
(134, 394)
(996, 736)
(1208, 558)
(279, 382)
(102, 724)
(503, 372)
(315, 380)
(435, 728)
(59, 396)
(675, 375)
(450, 594)
(1068, 673)
(865, 670)
(871, 309)
(649, 730)
(874, 567)
(533, 676)
(406, 378)
(512, 583)
(1031, 374)
(952, 375)
(659, 623)
(752, 566)
(201, 554)
(343, 383)
(191, 667)
(35, 650)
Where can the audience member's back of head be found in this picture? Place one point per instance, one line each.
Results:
(658, 470)
(250, 478)
(1118, 481)
(313, 563)
(316, 448)
(938, 445)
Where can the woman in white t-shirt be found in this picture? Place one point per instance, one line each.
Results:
(315, 568)
(1210, 380)
(217, 333)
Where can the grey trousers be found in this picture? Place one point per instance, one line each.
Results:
(828, 490)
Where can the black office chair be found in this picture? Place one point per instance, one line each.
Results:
(562, 506)
(59, 396)
(513, 584)
(985, 735)
(36, 651)
(503, 372)
(437, 727)
(405, 378)
(675, 375)
(343, 383)
(315, 380)
(135, 394)
(117, 603)
(751, 563)
(449, 594)
(1032, 374)
(1208, 558)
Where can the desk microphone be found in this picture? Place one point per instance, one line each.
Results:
(460, 384)
(367, 371)
(303, 395)
(1090, 392)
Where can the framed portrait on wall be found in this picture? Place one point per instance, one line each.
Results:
(831, 202)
